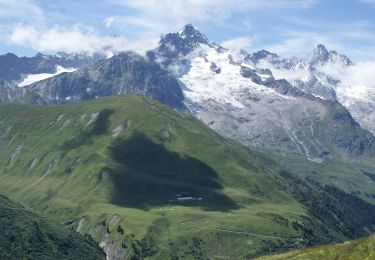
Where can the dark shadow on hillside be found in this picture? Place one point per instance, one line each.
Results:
(339, 214)
(148, 175)
(369, 174)
(100, 127)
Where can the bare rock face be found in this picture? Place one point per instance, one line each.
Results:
(121, 74)
(10, 93)
(215, 68)
(12, 67)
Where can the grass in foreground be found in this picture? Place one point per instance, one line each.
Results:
(360, 249)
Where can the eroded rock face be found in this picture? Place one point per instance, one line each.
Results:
(121, 74)
(10, 93)
(13, 68)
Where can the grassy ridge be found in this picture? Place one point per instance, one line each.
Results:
(24, 235)
(110, 168)
(363, 249)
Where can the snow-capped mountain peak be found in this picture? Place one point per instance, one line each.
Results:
(192, 34)
(339, 59)
(188, 39)
(174, 48)
(262, 55)
(321, 56)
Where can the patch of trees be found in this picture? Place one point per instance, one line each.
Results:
(335, 214)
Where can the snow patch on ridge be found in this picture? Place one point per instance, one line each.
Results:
(32, 78)
(203, 84)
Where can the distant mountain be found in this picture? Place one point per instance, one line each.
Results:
(273, 58)
(324, 74)
(14, 68)
(318, 57)
(121, 74)
(24, 235)
(313, 81)
(233, 94)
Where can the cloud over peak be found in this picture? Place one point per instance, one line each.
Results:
(74, 39)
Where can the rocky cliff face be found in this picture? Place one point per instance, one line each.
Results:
(13, 68)
(121, 74)
(10, 93)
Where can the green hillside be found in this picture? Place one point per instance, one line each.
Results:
(146, 181)
(24, 235)
(361, 249)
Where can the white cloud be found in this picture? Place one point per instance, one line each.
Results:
(360, 79)
(352, 38)
(109, 21)
(74, 39)
(21, 35)
(359, 75)
(368, 1)
(301, 42)
(172, 14)
(209, 9)
(356, 91)
(355, 81)
(24, 9)
(238, 43)
(137, 21)
(289, 46)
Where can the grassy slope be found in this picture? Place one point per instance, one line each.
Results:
(24, 235)
(112, 177)
(352, 178)
(363, 249)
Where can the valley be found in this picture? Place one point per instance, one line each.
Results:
(109, 168)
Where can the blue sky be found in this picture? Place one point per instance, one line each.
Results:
(289, 27)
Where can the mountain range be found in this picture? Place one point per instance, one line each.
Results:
(191, 150)
(14, 68)
(231, 92)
